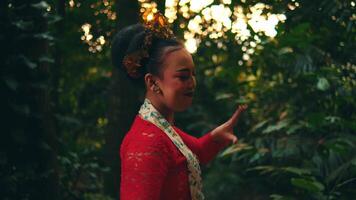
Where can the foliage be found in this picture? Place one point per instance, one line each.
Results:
(300, 91)
(297, 140)
(84, 74)
(45, 56)
(27, 163)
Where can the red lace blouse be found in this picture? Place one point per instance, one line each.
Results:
(153, 168)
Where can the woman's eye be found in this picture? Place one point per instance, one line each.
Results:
(184, 77)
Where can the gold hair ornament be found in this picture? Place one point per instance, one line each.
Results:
(158, 27)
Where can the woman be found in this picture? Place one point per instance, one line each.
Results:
(160, 161)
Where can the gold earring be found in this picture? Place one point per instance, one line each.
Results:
(156, 89)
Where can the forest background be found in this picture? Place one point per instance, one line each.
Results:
(65, 109)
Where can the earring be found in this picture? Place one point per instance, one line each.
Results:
(156, 89)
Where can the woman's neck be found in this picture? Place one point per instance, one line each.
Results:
(161, 108)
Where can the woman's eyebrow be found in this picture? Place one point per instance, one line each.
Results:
(183, 70)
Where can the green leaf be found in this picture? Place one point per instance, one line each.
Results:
(11, 83)
(323, 84)
(45, 146)
(54, 18)
(292, 129)
(92, 175)
(340, 145)
(27, 61)
(65, 160)
(23, 25)
(236, 148)
(279, 197)
(259, 125)
(278, 126)
(353, 161)
(42, 5)
(297, 171)
(307, 184)
(332, 119)
(105, 169)
(94, 165)
(263, 169)
(346, 182)
(46, 59)
(223, 96)
(68, 120)
(44, 36)
(285, 50)
(340, 171)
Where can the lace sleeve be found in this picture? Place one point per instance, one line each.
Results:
(144, 162)
(204, 147)
(209, 148)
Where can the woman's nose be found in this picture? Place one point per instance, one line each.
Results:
(192, 82)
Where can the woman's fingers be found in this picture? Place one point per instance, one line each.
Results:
(234, 139)
(236, 115)
(226, 130)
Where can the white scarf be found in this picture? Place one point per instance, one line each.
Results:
(149, 113)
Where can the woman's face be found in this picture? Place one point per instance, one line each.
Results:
(177, 82)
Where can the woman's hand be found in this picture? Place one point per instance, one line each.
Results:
(225, 132)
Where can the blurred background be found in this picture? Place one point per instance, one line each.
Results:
(65, 109)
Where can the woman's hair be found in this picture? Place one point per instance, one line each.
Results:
(132, 39)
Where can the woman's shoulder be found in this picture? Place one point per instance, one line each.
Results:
(143, 132)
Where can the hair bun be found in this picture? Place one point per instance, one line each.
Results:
(123, 42)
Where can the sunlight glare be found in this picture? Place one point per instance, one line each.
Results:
(226, 2)
(191, 45)
(198, 5)
(213, 20)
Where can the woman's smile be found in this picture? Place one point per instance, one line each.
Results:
(189, 94)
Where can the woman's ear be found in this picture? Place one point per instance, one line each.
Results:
(150, 81)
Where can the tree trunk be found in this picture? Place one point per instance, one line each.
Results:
(58, 58)
(123, 104)
(49, 184)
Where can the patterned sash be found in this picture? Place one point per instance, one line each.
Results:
(149, 113)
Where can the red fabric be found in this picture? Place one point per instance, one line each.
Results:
(153, 168)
